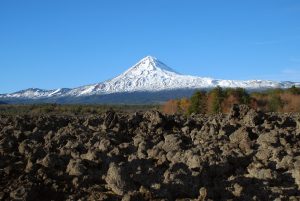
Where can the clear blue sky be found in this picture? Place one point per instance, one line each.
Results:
(67, 43)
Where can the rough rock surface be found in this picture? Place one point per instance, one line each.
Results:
(245, 155)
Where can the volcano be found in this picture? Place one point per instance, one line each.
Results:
(149, 75)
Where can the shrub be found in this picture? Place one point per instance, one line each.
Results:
(294, 90)
(291, 102)
(275, 103)
(215, 99)
(235, 96)
(183, 105)
(198, 103)
(170, 107)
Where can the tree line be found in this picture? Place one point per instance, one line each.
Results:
(220, 100)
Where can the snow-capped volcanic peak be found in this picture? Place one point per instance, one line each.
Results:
(149, 74)
(147, 65)
(149, 68)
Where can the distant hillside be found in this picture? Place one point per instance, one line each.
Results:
(2, 103)
(116, 98)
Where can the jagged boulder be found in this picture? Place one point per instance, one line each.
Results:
(110, 119)
(117, 179)
(76, 168)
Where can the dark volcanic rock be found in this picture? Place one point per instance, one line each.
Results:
(245, 155)
(76, 168)
(110, 119)
(117, 179)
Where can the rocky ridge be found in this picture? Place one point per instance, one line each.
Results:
(245, 155)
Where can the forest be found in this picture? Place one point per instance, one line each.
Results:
(220, 100)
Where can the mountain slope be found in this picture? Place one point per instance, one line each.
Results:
(36, 93)
(148, 75)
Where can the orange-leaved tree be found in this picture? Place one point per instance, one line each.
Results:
(170, 107)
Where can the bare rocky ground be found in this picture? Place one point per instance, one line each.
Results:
(245, 155)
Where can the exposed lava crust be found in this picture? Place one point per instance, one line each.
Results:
(245, 155)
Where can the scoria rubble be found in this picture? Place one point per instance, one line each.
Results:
(243, 155)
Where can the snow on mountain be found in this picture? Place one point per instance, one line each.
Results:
(149, 74)
(36, 93)
(29, 93)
